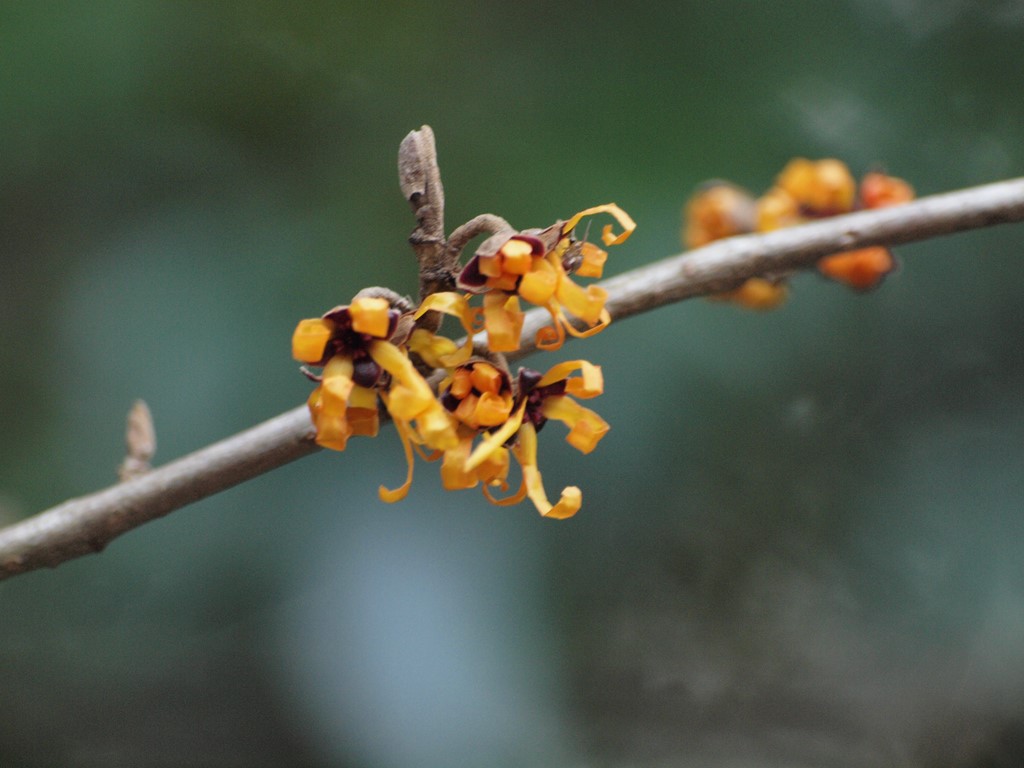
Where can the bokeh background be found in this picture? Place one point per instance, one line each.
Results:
(800, 544)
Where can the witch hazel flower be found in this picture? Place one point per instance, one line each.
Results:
(360, 347)
(537, 265)
(507, 417)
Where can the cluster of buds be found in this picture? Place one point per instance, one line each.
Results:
(805, 190)
(459, 402)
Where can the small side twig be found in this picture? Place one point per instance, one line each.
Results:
(140, 440)
(485, 223)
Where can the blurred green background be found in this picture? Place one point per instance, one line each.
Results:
(801, 542)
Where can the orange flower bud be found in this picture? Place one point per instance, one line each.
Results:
(758, 294)
(717, 211)
(877, 190)
(822, 188)
(861, 270)
(776, 209)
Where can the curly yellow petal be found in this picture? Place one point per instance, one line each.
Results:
(503, 320)
(526, 451)
(584, 304)
(371, 315)
(593, 262)
(454, 475)
(607, 235)
(551, 337)
(586, 428)
(590, 382)
(439, 351)
(495, 440)
(362, 412)
(332, 428)
(310, 339)
(436, 428)
(392, 495)
(337, 381)
(540, 283)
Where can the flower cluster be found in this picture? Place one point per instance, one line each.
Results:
(459, 402)
(805, 190)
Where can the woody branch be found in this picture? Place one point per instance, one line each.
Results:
(87, 524)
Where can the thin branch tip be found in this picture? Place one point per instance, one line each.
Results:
(419, 179)
(415, 154)
(140, 441)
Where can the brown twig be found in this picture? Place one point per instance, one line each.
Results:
(420, 181)
(89, 523)
(484, 223)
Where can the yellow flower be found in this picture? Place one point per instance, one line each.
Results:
(480, 397)
(339, 408)
(360, 363)
(478, 394)
(345, 403)
(536, 266)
